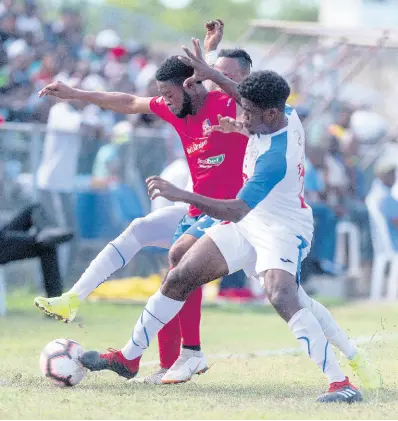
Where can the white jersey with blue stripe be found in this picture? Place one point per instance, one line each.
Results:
(274, 183)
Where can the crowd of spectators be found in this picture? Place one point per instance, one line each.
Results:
(34, 52)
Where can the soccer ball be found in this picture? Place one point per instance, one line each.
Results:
(59, 361)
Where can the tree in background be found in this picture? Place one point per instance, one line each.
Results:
(190, 20)
(151, 20)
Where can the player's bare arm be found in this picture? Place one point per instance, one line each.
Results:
(227, 209)
(205, 72)
(214, 35)
(115, 101)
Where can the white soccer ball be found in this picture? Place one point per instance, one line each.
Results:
(59, 361)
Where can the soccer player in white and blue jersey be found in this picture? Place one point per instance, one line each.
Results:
(271, 225)
(269, 234)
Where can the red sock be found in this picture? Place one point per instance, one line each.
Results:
(189, 317)
(169, 339)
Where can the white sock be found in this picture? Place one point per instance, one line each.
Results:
(309, 333)
(158, 311)
(333, 332)
(114, 256)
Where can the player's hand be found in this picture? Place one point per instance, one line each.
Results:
(157, 187)
(59, 90)
(228, 125)
(195, 59)
(214, 34)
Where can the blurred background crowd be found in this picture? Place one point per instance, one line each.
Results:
(86, 166)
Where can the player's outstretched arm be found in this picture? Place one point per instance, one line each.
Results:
(227, 210)
(114, 101)
(205, 72)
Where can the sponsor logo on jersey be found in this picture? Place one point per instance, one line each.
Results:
(254, 154)
(206, 125)
(212, 161)
(298, 137)
(301, 171)
(194, 147)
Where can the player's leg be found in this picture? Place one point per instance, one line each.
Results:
(279, 265)
(201, 264)
(191, 360)
(358, 359)
(157, 228)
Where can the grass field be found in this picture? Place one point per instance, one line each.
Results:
(277, 386)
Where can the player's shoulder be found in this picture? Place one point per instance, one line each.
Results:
(221, 98)
(159, 107)
(158, 101)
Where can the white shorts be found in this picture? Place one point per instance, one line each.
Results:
(276, 251)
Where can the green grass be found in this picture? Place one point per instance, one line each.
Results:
(277, 387)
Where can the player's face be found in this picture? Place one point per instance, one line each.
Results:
(257, 120)
(178, 101)
(230, 68)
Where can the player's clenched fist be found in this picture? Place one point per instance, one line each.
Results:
(59, 90)
(214, 34)
(157, 187)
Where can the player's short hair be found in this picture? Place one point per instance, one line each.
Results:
(265, 89)
(174, 71)
(245, 61)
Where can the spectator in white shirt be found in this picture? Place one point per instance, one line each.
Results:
(381, 196)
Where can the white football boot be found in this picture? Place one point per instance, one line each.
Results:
(154, 378)
(187, 365)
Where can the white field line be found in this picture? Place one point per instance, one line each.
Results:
(284, 351)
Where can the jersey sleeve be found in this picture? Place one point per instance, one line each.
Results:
(270, 169)
(159, 107)
(389, 208)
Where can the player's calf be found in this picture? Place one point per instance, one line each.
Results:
(281, 288)
(179, 248)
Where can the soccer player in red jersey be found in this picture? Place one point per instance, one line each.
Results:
(215, 160)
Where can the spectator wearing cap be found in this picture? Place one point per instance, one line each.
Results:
(381, 196)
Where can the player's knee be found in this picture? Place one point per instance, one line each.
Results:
(178, 284)
(177, 251)
(135, 228)
(281, 290)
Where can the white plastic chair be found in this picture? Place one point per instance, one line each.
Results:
(343, 229)
(384, 255)
(3, 309)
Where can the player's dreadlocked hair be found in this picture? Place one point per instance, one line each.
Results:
(174, 71)
(242, 56)
(266, 89)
